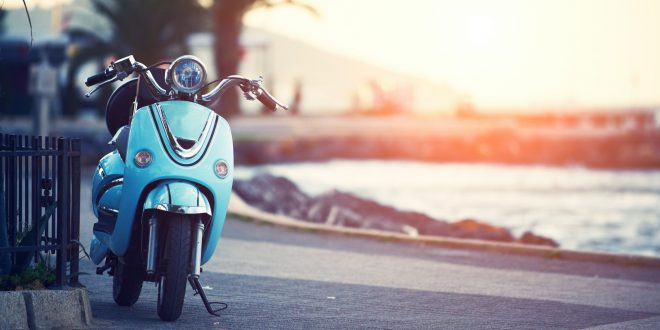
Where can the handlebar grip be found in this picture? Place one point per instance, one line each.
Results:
(267, 101)
(100, 77)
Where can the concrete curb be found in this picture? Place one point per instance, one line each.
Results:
(45, 309)
(240, 208)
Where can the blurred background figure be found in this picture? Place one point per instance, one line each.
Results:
(297, 98)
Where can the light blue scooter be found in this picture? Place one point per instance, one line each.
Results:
(161, 197)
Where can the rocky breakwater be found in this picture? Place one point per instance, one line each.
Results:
(281, 196)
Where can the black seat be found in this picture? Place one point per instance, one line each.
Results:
(120, 141)
(118, 109)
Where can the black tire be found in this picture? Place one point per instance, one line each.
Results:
(126, 284)
(176, 258)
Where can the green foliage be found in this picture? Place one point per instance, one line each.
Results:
(37, 277)
(22, 276)
(23, 259)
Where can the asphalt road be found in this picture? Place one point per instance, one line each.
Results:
(279, 278)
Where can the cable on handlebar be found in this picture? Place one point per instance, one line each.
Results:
(158, 64)
(211, 83)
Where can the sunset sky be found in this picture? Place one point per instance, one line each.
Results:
(502, 54)
(511, 53)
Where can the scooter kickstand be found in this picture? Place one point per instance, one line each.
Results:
(197, 287)
(106, 266)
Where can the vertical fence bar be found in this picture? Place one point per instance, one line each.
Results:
(42, 164)
(3, 184)
(75, 209)
(50, 175)
(26, 182)
(36, 196)
(11, 193)
(62, 210)
(23, 180)
(21, 227)
(54, 188)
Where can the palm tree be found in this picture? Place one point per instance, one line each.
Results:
(228, 22)
(3, 13)
(151, 30)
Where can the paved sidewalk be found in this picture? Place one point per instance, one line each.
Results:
(273, 277)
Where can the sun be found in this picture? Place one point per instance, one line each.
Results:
(481, 31)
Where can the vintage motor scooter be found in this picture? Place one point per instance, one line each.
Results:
(161, 196)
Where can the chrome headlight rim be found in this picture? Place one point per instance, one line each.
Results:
(170, 72)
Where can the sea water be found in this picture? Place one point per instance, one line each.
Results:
(580, 208)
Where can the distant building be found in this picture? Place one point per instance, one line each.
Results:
(332, 83)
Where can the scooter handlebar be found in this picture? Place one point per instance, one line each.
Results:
(267, 100)
(100, 77)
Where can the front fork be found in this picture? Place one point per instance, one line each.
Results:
(196, 257)
(195, 260)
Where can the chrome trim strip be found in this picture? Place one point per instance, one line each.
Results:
(107, 209)
(152, 245)
(117, 181)
(181, 209)
(106, 187)
(178, 149)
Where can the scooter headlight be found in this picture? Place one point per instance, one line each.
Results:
(186, 74)
(143, 158)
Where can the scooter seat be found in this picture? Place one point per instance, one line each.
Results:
(120, 104)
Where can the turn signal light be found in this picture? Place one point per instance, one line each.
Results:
(142, 158)
(221, 169)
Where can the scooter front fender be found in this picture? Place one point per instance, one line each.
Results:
(177, 197)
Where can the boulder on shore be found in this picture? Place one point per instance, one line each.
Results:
(281, 196)
(530, 238)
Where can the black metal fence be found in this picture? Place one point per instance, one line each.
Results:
(41, 185)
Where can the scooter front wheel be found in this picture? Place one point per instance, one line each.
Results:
(176, 258)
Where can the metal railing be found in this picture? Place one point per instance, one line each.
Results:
(41, 185)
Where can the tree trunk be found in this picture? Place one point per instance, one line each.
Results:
(227, 19)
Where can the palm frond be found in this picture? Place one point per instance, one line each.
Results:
(103, 8)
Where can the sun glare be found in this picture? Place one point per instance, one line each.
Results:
(481, 32)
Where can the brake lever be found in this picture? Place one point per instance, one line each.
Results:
(278, 103)
(99, 86)
(281, 105)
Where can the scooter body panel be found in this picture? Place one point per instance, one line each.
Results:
(111, 168)
(106, 196)
(153, 133)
